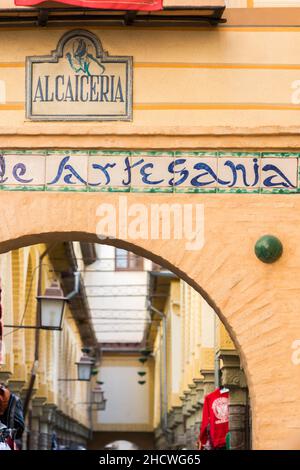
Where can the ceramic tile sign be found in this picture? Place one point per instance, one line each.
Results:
(22, 170)
(107, 170)
(239, 171)
(152, 171)
(149, 171)
(79, 81)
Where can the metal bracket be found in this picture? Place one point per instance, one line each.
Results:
(129, 17)
(75, 291)
(43, 17)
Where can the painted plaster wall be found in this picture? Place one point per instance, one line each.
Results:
(227, 78)
(257, 302)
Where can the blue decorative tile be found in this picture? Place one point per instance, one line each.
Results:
(151, 171)
(195, 171)
(239, 172)
(107, 171)
(66, 171)
(23, 170)
(279, 174)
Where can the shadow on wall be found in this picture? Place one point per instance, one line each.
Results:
(122, 441)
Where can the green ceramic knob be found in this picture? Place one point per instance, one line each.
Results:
(268, 249)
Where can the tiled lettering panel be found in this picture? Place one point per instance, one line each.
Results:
(149, 171)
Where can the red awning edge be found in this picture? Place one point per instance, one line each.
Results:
(136, 5)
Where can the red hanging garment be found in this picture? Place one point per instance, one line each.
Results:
(137, 5)
(214, 426)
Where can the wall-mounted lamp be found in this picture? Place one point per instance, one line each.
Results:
(97, 394)
(51, 307)
(84, 367)
(97, 398)
(51, 311)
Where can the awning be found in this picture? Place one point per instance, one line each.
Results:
(136, 5)
(131, 12)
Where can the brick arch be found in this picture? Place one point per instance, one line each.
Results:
(258, 303)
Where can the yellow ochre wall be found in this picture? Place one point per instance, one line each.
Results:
(224, 80)
(222, 87)
(202, 335)
(58, 351)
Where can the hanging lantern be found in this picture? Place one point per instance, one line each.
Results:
(84, 368)
(52, 305)
(97, 394)
(141, 373)
(141, 382)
